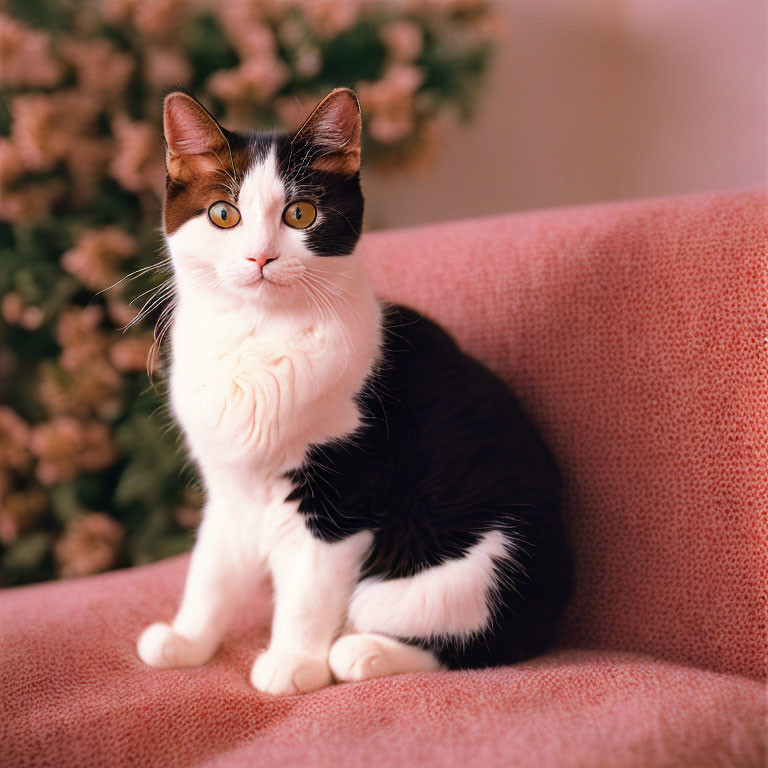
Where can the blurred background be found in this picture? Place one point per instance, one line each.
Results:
(471, 107)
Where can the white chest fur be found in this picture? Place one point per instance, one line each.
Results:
(258, 385)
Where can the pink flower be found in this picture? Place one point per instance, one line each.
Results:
(238, 16)
(395, 90)
(254, 80)
(95, 257)
(12, 307)
(86, 162)
(101, 68)
(330, 18)
(11, 167)
(25, 57)
(153, 19)
(131, 353)
(389, 103)
(31, 200)
(308, 62)
(15, 440)
(19, 511)
(60, 126)
(48, 129)
(93, 388)
(253, 40)
(164, 67)
(89, 545)
(117, 12)
(65, 447)
(404, 39)
(138, 163)
(78, 334)
(86, 382)
(160, 19)
(290, 32)
(120, 312)
(20, 200)
(33, 129)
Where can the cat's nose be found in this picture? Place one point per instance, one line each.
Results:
(262, 259)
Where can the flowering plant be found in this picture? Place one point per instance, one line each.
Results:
(91, 476)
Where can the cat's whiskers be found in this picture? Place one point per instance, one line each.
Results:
(162, 326)
(308, 294)
(136, 273)
(347, 275)
(326, 299)
(160, 294)
(339, 292)
(153, 289)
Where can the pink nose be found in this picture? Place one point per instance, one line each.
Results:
(261, 259)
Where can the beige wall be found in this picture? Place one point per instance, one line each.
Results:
(595, 100)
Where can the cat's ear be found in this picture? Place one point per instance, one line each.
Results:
(333, 129)
(196, 143)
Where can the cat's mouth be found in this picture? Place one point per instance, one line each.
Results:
(261, 283)
(249, 282)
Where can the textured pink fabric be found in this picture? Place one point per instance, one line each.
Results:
(75, 694)
(635, 334)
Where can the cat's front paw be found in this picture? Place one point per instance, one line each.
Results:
(285, 674)
(161, 646)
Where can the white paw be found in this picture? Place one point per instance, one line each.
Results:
(284, 674)
(161, 646)
(357, 657)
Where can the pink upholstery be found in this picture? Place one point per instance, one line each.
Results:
(635, 334)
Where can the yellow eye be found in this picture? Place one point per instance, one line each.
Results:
(223, 215)
(299, 214)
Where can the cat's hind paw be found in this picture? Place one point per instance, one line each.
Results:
(354, 658)
(357, 657)
(161, 646)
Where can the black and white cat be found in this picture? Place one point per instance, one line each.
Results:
(404, 506)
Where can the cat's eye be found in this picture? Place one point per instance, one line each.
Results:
(299, 214)
(223, 214)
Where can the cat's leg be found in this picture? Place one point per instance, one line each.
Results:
(365, 656)
(313, 581)
(216, 583)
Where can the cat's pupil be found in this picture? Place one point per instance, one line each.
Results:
(223, 214)
(298, 213)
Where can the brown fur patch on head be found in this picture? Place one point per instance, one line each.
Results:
(334, 129)
(201, 162)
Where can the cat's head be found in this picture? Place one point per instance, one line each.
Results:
(254, 216)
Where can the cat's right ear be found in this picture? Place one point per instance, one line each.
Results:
(196, 143)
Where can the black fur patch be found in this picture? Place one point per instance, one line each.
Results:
(337, 197)
(445, 455)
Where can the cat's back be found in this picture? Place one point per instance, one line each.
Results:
(433, 396)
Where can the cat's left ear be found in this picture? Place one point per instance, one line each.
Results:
(334, 129)
(196, 143)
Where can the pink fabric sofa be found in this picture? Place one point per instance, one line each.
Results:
(636, 334)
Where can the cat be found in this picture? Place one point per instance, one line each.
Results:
(405, 508)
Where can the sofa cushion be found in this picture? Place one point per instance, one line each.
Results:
(75, 694)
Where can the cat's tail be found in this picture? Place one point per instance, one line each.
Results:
(454, 598)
